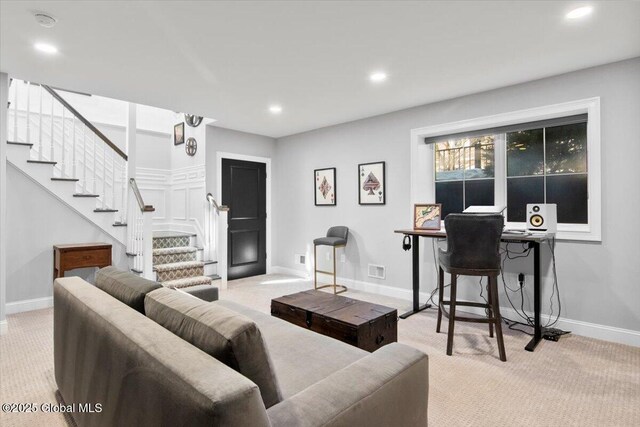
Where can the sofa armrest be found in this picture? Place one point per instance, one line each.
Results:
(388, 387)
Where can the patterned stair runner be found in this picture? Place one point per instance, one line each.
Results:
(175, 262)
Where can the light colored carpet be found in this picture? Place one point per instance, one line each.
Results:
(574, 382)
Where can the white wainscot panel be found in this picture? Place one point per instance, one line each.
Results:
(179, 203)
(197, 198)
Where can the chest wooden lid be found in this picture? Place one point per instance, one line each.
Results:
(337, 307)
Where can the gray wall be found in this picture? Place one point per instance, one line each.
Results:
(599, 282)
(231, 141)
(153, 148)
(35, 224)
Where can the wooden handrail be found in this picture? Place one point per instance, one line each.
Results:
(86, 122)
(136, 192)
(219, 208)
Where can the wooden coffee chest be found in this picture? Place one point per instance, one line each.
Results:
(359, 323)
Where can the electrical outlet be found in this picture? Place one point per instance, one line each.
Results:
(327, 256)
(343, 258)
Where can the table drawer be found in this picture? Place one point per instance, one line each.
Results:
(88, 258)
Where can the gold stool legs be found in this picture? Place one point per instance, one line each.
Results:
(334, 285)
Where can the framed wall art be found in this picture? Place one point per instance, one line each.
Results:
(371, 184)
(427, 216)
(324, 184)
(178, 134)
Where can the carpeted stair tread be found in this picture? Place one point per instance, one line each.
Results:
(179, 266)
(175, 250)
(170, 242)
(187, 281)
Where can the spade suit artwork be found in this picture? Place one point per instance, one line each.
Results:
(371, 185)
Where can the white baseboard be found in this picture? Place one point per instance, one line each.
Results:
(388, 291)
(290, 271)
(577, 327)
(29, 305)
(4, 327)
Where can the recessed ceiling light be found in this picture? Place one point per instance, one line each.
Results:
(275, 109)
(580, 12)
(378, 77)
(46, 48)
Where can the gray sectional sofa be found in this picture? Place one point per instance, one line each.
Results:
(153, 356)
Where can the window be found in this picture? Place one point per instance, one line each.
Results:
(543, 155)
(464, 172)
(548, 165)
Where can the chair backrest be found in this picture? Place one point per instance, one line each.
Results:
(473, 241)
(338, 231)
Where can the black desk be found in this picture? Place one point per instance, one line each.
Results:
(534, 243)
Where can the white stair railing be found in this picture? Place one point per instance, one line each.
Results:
(140, 232)
(216, 234)
(38, 115)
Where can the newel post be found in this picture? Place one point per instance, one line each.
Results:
(221, 246)
(147, 239)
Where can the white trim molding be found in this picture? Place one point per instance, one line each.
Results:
(29, 305)
(577, 327)
(422, 158)
(218, 196)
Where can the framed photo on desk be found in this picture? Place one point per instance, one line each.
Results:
(427, 216)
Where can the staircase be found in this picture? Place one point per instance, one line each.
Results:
(55, 146)
(175, 261)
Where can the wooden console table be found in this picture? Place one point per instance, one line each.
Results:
(80, 255)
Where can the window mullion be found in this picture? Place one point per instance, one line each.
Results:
(544, 163)
(500, 170)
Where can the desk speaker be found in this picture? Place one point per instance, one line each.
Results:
(542, 217)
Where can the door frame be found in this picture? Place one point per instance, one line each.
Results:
(267, 161)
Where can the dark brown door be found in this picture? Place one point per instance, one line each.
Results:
(244, 190)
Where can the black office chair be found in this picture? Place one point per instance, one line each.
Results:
(336, 238)
(473, 249)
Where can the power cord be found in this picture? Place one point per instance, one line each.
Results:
(549, 332)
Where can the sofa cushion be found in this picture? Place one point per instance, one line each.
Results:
(204, 292)
(125, 286)
(224, 334)
(300, 357)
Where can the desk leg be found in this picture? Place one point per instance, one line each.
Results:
(416, 280)
(537, 332)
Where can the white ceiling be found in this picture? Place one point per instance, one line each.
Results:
(231, 60)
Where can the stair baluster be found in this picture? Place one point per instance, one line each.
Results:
(113, 180)
(95, 170)
(104, 177)
(73, 147)
(63, 165)
(15, 112)
(51, 135)
(84, 161)
(28, 140)
(40, 127)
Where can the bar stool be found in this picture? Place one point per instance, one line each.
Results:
(473, 249)
(336, 238)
